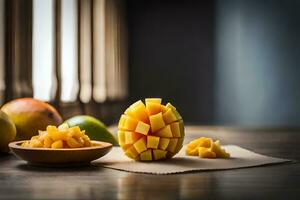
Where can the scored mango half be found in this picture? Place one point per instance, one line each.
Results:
(151, 131)
(206, 148)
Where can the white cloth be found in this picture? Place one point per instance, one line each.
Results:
(240, 158)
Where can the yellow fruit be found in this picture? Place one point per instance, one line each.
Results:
(7, 131)
(152, 131)
(146, 155)
(59, 137)
(30, 115)
(163, 143)
(206, 148)
(156, 122)
(152, 142)
(142, 128)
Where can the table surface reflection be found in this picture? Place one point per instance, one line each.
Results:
(20, 181)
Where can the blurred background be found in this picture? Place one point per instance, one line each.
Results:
(232, 63)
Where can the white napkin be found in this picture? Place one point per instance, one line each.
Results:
(240, 158)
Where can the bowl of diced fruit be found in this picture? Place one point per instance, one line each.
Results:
(60, 146)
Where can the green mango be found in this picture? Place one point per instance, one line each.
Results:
(93, 127)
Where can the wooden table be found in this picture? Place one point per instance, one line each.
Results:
(20, 181)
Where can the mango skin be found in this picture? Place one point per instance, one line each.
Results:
(7, 131)
(31, 115)
(93, 127)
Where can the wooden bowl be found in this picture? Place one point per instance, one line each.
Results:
(60, 157)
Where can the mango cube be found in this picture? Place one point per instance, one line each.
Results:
(139, 111)
(152, 142)
(220, 153)
(172, 145)
(163, 143)
(159, 154)
(131, 137)
(165, 132)
(57, 144)
(206, 153)
(156, 122)
(121, 137)
(130, 123)
(151, 131)
(153, 100)
(140, 145)
(131, 152)
(142, 128)
(175, 128)
(146, 155)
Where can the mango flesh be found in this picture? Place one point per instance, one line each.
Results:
(59, 137)
(30, 115)
(152, 131)
(7, 131)
(206, 148)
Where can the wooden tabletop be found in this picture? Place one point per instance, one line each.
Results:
(282, 181)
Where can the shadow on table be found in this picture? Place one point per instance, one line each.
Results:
(83, 168)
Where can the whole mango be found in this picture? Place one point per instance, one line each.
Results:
(93, 127)
(31, 115)
(7, 131)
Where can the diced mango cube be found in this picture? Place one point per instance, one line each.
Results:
(220, 153)
(57, 144)
(140, 145)
(153, 100)
(48, 142)
(172, 145)
(175, 128)
(170, 116)
(206, 153)
(131, 152)
(35, 143)
(153, 108)
(63, 126)
(165, 132)
(142, 128)
(131, 137)
(163, 109)
(163, 143)
(139, 111)
(156, 122)
(121, 137)
(159, 154)
(146, 155)
(152, 142)
(122, 121)
(73, 143)
(130, 123)
(169, 105)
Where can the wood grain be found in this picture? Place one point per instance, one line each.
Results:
(20, 181)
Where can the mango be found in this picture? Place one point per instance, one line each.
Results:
(30, 115)
(7, 131)
(59, 137)
(152, 131)
(206, 148)
(94, 128)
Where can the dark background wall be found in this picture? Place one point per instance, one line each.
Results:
(220, 62)
(171, 47)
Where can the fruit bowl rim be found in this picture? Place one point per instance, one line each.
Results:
(97, 145)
